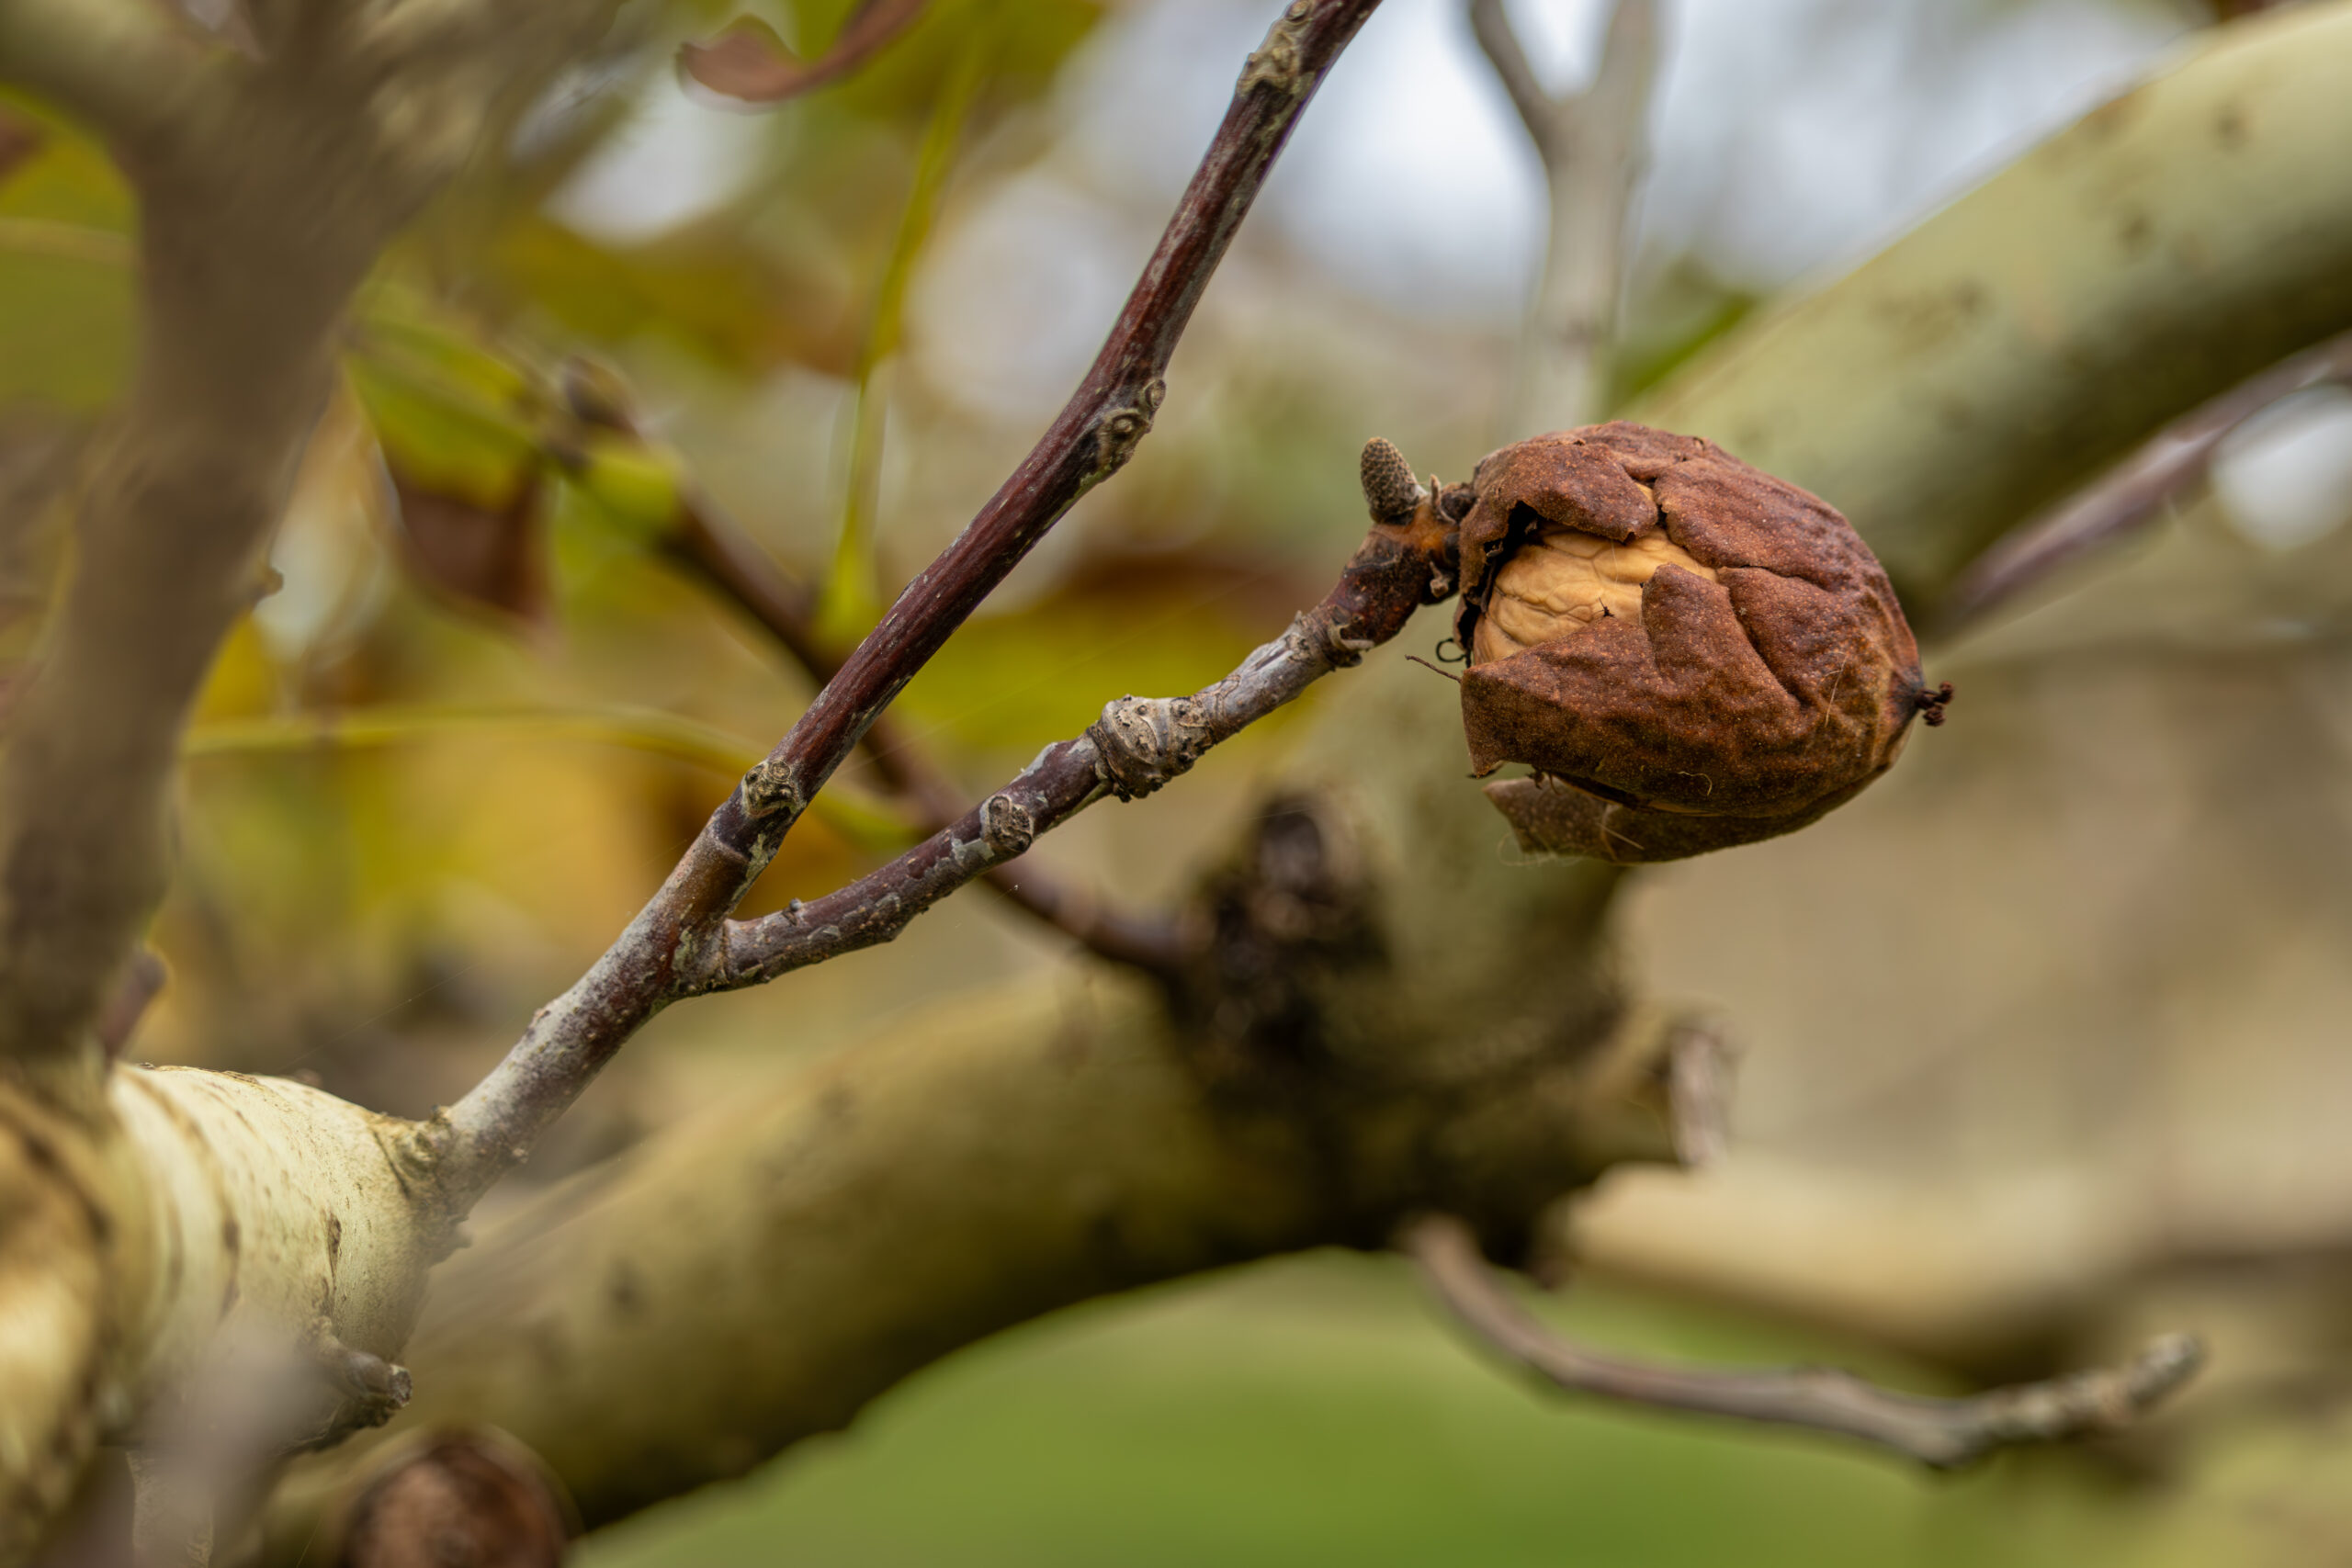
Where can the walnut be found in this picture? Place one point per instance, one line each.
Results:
(1690, 653)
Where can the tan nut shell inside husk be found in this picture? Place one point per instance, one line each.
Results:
(1690, 652)
(1560, 582)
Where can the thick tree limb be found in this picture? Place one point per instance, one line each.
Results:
(2134, 492)
(1942, 1434)
(491, 1128)
(1593, 144)
(731, 1289)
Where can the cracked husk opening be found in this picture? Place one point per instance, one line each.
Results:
(1562, 580)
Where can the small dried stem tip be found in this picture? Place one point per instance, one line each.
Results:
(1389, 488)
(1940, 1433)
(1699, 1088)
(1932, 704)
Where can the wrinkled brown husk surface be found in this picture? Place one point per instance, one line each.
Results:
(1730, 711)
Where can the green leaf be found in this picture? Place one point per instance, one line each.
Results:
(66, 273)
(636, 486)
(866, 823)
(452, 416)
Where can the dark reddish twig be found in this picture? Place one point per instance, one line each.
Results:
(1940, 1433)
(706, 540)
(2133, 493)
(714, 546)
(748, 61)
(1135, 746)
(674, 939)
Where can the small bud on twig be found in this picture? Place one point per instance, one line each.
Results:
(1389, 488)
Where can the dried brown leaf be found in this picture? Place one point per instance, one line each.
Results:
(749, 63)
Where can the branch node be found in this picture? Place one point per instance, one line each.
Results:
(770, 787)
(1341, 651)
(1279, 62)
(1007, 826)
(373, 1389)
(1122, 430)
(1140, 743)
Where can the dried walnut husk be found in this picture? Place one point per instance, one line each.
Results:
(1690, 653)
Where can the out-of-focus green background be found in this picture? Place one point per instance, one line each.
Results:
(440, 766)
(1313, 1411)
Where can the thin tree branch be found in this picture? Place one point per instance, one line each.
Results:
(748, 61)
(711, 544)
(2133, 493)
(1538, 111)
(1940, 1433)
(676, 936)
(1138, 745)
(1593, 146)
(706, 540)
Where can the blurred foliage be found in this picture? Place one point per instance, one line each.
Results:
(481, 714)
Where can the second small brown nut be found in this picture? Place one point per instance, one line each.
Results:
(1690, 652)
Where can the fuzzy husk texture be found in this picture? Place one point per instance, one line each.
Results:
(1729, 706)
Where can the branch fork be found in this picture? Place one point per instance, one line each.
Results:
(1138, 746)
(683, 941)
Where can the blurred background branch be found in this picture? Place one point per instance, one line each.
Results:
(1942, 1434)
(1594, 145)
(2134, 492)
